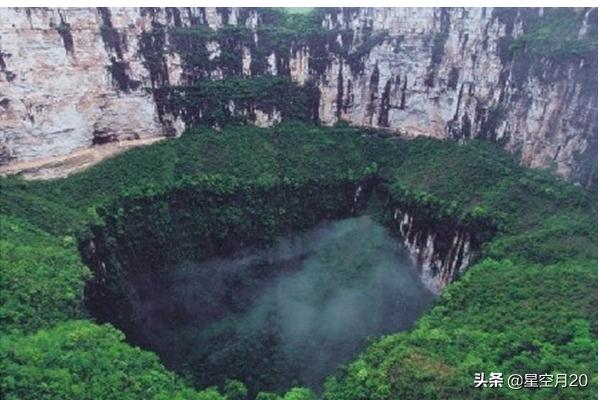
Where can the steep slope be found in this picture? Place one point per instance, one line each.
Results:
(527, 78)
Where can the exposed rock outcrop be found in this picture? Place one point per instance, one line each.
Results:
(450, 73)
(440, 256)
(60, 95)
(72, 78)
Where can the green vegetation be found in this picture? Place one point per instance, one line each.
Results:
(192, 45)
(234, 100)
(207, 54)
(42, 278)
(556, 35)
(528, 305)
(278, 33)
(82, 360)
(510, 317)
(216, 84)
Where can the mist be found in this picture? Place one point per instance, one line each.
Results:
(281, 316)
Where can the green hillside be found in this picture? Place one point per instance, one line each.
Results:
(527, 305)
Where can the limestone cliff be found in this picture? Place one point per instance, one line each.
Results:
(440, 254)
(451, 73)
(56, 91)
(73, 78)
(77, 77)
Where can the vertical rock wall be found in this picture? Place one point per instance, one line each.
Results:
(77, 77)
(56, 90)
(72, 78)
(441, 255)
(450, 73)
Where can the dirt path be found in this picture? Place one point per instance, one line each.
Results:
(61, 166)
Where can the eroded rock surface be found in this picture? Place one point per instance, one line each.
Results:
(74, 78)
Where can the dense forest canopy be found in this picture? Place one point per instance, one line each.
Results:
(528, 304)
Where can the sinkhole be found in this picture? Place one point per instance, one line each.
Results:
(272, 317)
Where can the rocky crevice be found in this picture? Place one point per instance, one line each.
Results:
(441, 248)
(441, 255)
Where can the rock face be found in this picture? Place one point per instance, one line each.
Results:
(73, 78)
(56, 91)
(448, 73)
(440, 256)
